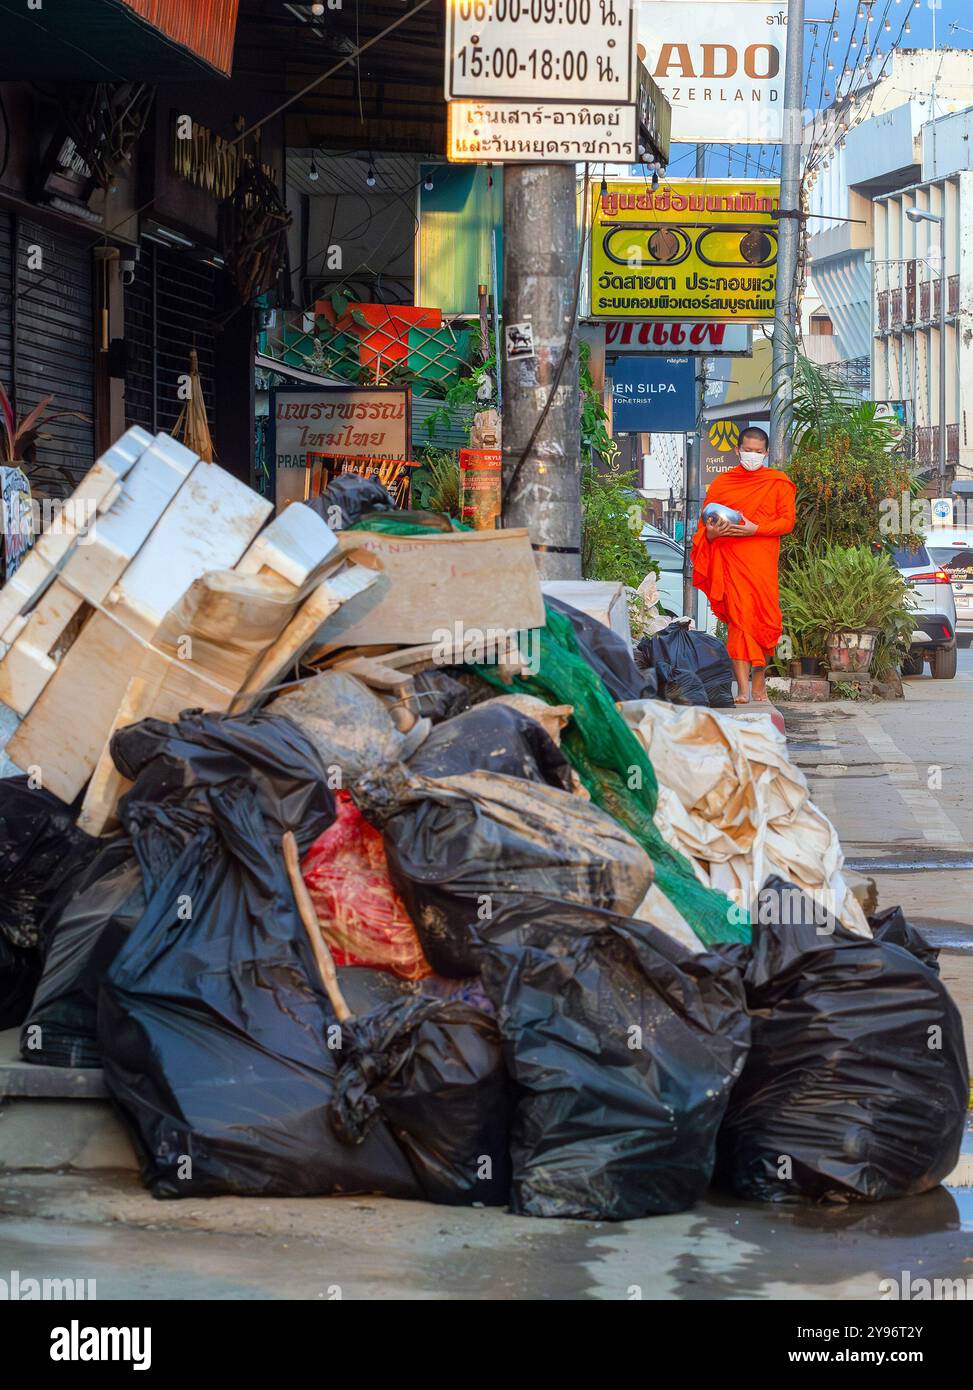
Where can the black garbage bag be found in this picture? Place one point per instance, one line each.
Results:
(432, 1071)
(61, 1026)
(622, 1048)
(348, 497)
(691, 668)
(223, 1053)
(214, 1038)
(892, 925)
(493, 738)
(20, 969)
(459, 846)
(203, 750)
(856, 1086)
(41, 854)
(607, 654)
(439, 695)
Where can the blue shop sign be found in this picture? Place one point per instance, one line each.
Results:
(653, 394)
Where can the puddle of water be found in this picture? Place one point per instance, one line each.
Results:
(906, 864)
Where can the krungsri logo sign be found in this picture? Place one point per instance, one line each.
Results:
(724, 435)
(721, 66)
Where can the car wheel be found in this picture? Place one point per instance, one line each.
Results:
(912, 666)
(943, 663)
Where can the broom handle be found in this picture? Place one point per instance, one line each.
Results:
(321, 949)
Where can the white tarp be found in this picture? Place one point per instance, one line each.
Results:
(733, 803)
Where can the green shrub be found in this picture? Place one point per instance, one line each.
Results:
(847, 588)
(436, 483)
(611, 526)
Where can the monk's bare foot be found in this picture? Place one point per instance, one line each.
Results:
(759, 687)
(741, 699)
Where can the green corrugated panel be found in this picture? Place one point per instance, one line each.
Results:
(453, 436)
(436, 356)
(457, 217)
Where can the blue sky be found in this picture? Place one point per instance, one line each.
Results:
(953, 27)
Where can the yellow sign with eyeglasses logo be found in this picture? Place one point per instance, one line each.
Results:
(704, 249)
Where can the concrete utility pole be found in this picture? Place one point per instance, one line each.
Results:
(694, 466)
(785, 311)
(540, 266)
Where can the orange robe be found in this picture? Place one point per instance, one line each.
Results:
(738, 574)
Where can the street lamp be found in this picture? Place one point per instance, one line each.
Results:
(920, 215)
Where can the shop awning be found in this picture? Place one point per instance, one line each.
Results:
(103, 40)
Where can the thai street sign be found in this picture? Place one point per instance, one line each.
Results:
(351, 423)
(720, 64)
(700, 339)
(507, 131)
(655, 394)
(510, 132)
(695, 248)
(562, 50)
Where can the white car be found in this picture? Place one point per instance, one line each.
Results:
(668, 555)
(952, 551)
(934, 634)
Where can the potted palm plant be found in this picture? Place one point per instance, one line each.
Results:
(19, 439)
(849, 600)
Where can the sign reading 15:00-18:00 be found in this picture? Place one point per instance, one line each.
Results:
(532, 49)
(507, 62)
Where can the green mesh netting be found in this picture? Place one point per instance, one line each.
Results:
(602, 749)
(408, 523)
(616, 771)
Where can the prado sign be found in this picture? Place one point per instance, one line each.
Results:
(721, 65)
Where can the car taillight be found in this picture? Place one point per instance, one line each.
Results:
(933, 577)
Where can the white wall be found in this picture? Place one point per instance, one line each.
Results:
(947, 144)
(905, 358)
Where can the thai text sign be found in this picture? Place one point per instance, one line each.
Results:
(512, 132)
(348, 423)
(567, 50)
(697, 248)
(721, 65)
(703, 339)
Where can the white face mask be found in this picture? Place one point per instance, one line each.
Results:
(752, 460)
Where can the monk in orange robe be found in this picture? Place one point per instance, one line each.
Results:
(735, 565)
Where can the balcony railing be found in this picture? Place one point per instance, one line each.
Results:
(927, 444)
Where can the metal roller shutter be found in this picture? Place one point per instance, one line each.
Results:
(53, 351)
(6, 298)
(169, 309)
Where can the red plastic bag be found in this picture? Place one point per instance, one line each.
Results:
(363, 918)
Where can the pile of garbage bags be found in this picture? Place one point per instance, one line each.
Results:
(553, 991)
